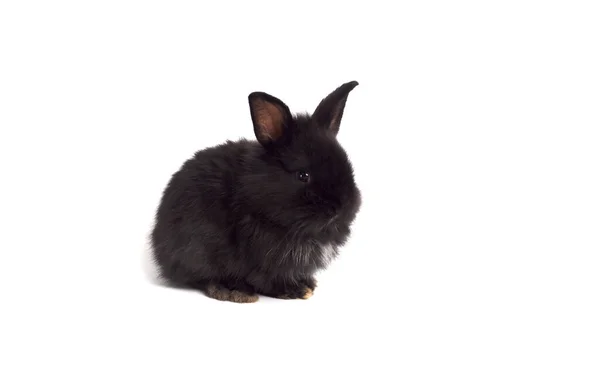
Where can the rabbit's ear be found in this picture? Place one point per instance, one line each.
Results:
(328, 114)
(270, 116)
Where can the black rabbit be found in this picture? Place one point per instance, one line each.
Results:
(246, 218)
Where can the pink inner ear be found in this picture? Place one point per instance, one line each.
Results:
(270, 120)
(334, 116)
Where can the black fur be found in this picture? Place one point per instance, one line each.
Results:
(236, 217)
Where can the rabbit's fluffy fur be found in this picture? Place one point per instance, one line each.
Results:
(260, 217)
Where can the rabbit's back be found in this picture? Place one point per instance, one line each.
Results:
(193, 227)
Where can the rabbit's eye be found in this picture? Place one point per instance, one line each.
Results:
(303, 176)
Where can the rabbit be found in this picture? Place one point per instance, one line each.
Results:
(260, 217)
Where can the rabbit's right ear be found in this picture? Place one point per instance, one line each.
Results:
(270, 116)
(329, 112)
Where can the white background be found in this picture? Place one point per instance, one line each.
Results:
(474, 264)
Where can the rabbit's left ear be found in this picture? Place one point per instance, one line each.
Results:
(270, 116)
(328, 114)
